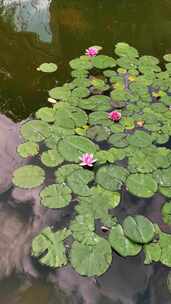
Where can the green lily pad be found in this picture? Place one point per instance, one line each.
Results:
(140, 139)
(103, 62)
(166, 191)
(111, 177)
(47, 67)
(100, 118)
(70, 117)
(49, 248)
(152, 253)
(92, 260)
(163, 177)
(35, 130)
(83, 63)
(78, 180)
(165, 244)
(98, 133)
(166, 213)
(138, 229)
(119, 140)
(124, 49)
(55, 196)
(28, 149)
(63, 172)
(51, 158)
(73, 147)
(80, 92)
(121, 244)
(28, 177)
(82, 228)
(141, 185)
(96, 103)
(60, 93)
(46, 114)
(98, 203)
(167, 57)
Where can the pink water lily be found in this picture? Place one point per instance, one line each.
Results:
(87, 159)
(91, 52)
(114, 115)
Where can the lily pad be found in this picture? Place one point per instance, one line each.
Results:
(73, 147)
(124, 49)
(152, 253)
(166, 213)
(82, 228)
(35, 130)
(78, 180)
(28, 177)
(55, 196)
(51, 158)
(63, 172)
(163, 177)
(49, 248)
(141, 185)
(70, 117)
(138, 229)
(121, 244)
(111, 177)
(47, 67)
(103, 62)
(60, 93)
(28, 149)
(140, 139)
(92, 260)
(46, 114)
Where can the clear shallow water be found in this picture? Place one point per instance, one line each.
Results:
(32, 32)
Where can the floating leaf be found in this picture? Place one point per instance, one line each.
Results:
(103, 62)
(55, 196)
(166, 213)
(46, 114)
(50, 245)
(83, 228)
(98, 133)
(163, 177)
(124, 49)
(152, 253)
(119, 140)
(140, 139)
(111, 177)
(70, 117)
(35, 130)
(92, 260)
(51, 158)
(60, 93)
(96, 103)
(165, 244)
(47, 67)
(73, 147)
(141, 185)
(98, 203)
(82, 63)
(138, 229)
(63, 172)
(121, 244)
(28, 149)
(166, 191)
(28, 177)
(78, 180)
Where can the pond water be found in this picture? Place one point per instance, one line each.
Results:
(32, 32)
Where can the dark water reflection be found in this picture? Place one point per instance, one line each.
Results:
(32, 32)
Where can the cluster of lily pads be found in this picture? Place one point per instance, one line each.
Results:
(127, 154)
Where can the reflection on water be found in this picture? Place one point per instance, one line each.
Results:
(29, 16)
(35, 31)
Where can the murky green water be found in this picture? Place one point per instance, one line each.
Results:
(32, 32)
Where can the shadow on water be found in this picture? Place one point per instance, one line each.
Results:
(32, 32)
